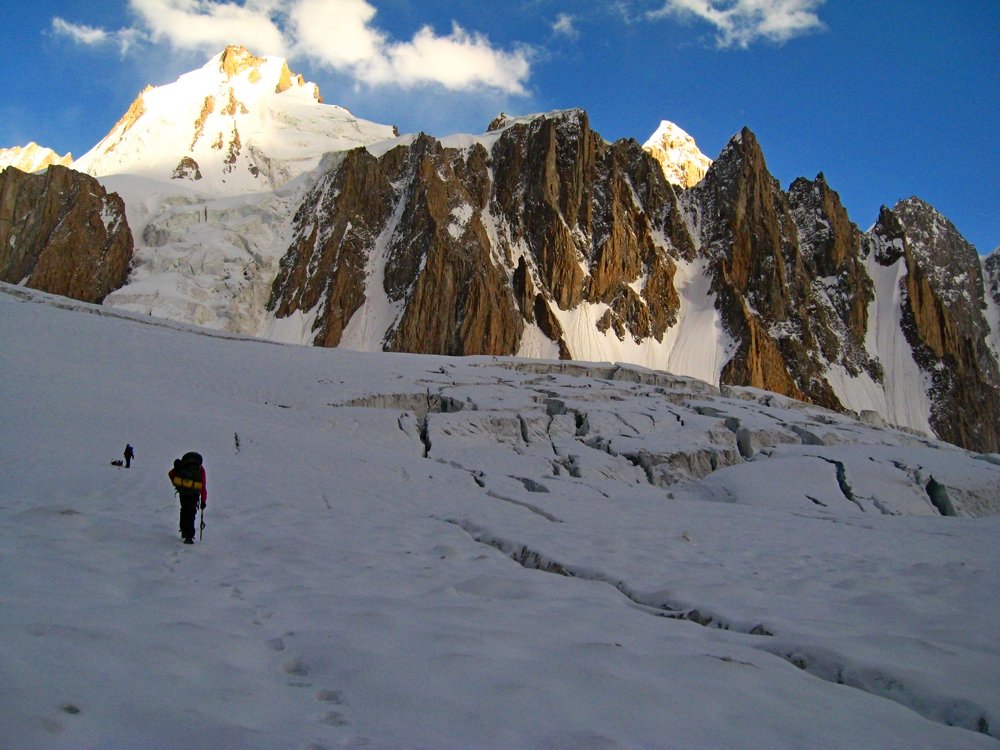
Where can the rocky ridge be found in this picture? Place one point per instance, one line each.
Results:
(943, 299)
(683, 162)
(538, 238)
(541, 231)
(474, 245)
(32, 158)
(61, 232)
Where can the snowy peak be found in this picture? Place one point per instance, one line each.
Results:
(239, 124)
(683, 162)
(239, 63)
(539, 238)
(951, 264)
(31, 158)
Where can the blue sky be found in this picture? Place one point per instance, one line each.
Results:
(888, 99)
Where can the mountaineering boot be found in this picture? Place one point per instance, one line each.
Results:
(189, 541)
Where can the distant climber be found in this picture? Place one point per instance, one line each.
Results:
(129, 455)
(188, 478)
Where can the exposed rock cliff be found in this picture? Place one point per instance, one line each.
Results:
(784, 330)
(465, 246)
(541, 230)
(60, 232)
(943, 298)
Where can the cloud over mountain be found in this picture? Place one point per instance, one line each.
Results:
(341, 34)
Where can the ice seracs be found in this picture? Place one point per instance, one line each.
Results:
(683, 162)
(412, 552)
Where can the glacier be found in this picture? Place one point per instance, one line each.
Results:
(407, 551)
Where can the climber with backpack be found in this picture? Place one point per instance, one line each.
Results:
(188, 478)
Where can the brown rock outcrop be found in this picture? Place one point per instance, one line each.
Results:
(187, 169)
(461, 249)
(943, 294)
(336, 228)
(484, 241)
(569, 197)
(760, 277)
(287, 79)
(235, 59)
(199, 125)
(61, 233)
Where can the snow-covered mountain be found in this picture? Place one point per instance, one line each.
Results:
(31, 158)
(683, 162)
(212, 168)
(405, 551)
(239, 124)
(257, 209)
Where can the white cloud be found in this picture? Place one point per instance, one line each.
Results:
(95, 37)
(337, 32)
(341, 34)
(458, 61)
(207, 25)
(739, 23)
(564, 26)
(79, 33)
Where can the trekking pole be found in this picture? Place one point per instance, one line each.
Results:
(201, 528)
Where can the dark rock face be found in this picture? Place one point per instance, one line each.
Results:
(842, 290)
(460, 249)
(991, 268)
(788, 274)
(336, 228)
(187, 169)
(472, 244)
(943, 298)
(60, 232)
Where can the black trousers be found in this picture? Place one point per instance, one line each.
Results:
(189, 510)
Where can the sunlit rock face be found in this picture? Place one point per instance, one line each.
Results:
(257, 209)
(32, 158)
(682, 161)
(944, 294)
(60, 232)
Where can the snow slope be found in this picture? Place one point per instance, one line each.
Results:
(420, 552)
(208, 235)
(248, 122)
(902, 398)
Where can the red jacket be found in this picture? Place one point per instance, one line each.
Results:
(204, 484)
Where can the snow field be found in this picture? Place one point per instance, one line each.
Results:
(359, 580)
